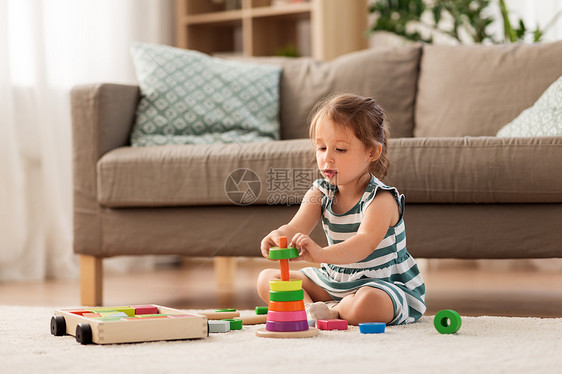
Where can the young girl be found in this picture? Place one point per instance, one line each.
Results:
(366, 275)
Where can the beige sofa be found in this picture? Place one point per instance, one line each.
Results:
(468, 193)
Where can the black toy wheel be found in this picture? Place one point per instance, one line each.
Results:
(58, 325)
(83, 333)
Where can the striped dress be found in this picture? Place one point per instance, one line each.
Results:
(389, 267)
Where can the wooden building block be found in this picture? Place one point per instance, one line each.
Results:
(332, 324)
(151, 315)
(219, 326)
(125, 309)
(113, 314)
(235, 324)
(91, 315)
(145, 309)
(372, 327)
(219, 315)
(80, 312)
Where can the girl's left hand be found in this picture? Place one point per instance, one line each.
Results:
(309, 250)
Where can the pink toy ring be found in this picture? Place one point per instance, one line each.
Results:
(299, 315)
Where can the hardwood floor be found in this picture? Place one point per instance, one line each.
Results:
(466, 289)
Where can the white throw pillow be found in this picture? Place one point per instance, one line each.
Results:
(544, 118)
(188, 97)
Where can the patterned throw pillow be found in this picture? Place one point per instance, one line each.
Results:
(188, 97)
(544, 118)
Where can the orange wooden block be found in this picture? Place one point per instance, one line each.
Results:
(282, 242)
(91, 315)
(286, 306)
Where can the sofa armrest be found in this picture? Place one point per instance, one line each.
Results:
(102, 118)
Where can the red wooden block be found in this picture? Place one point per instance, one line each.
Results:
(80, 312)
(145, 309)
(331, 324)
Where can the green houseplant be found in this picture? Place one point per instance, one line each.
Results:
(457, 19)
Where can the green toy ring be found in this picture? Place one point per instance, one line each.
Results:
(447, 321)
(276, 253)
(286, 295)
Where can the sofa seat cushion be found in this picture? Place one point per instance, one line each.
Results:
(277, 172)
(477, 170)
(426, 170)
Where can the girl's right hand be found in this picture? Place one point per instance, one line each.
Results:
(271, 240)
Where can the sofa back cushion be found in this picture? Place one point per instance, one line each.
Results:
(388, 75)
(476, 90)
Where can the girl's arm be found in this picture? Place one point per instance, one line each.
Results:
(304, 221)
(379, 216)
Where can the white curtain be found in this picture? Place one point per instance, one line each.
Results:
(46, 47)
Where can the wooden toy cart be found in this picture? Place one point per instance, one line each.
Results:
(130, 324)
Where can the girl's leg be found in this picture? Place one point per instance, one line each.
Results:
(312, 292)
(368, 304)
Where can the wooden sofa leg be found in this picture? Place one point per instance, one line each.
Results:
(91, 280)
(225, 271)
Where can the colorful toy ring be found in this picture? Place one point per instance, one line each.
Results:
(276, 253)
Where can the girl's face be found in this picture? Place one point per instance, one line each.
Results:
(341, 157)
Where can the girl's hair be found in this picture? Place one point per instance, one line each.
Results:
(363, 116)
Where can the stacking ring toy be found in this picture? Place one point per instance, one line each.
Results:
(447, 321)
(276, 253)
(291, 285)
(286, 295)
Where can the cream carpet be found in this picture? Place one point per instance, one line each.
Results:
(482, 345)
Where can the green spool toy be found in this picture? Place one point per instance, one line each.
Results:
(235, 324)
(447, 321)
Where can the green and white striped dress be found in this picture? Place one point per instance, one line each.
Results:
(389, 267)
